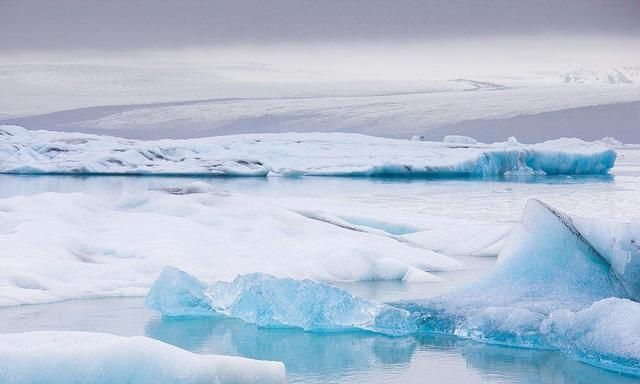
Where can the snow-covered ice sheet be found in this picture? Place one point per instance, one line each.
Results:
(67, 245)
(99, 358)
(292, 154)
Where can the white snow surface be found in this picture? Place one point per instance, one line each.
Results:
(69, 245)
(99, 358)
(291, 154)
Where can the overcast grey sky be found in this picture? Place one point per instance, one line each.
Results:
(128, 24)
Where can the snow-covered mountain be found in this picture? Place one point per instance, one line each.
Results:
(618, 75)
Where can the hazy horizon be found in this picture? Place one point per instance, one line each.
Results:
(67, 55)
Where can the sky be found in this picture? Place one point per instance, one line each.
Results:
(54, 25)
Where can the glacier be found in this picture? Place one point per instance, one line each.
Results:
(291, 154)
(80, 357)
(561, 282)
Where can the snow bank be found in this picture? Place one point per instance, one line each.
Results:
(290, 154)
(271, 302)
(82, 357)
(58, 246)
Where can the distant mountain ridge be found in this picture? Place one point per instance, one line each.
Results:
(618, 75)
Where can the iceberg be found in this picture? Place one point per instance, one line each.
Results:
(292, 154)
(561, 283)
(268, 301)
(84, 357)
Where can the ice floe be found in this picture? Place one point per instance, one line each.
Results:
(82, 357)
(291, 154)
(58, 246)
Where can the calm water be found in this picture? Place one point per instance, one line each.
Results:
(613, 196)
(356, 357)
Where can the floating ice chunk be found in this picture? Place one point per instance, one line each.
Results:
(176, 294)
(606, 334)
(272, 302)
(560, 283)
(457, 139)
(545, 265)
(97, 358)
(291, 154)
(417, 138)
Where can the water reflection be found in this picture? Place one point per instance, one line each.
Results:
(302, 352)
(356, 357)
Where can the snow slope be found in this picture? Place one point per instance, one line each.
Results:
(99, 358)
(291, 154)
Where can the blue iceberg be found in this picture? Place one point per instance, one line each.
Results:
(268, 301)
(555, 286)
(177, 294)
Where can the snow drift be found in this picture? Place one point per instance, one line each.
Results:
(83, 357)
(291, 154)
